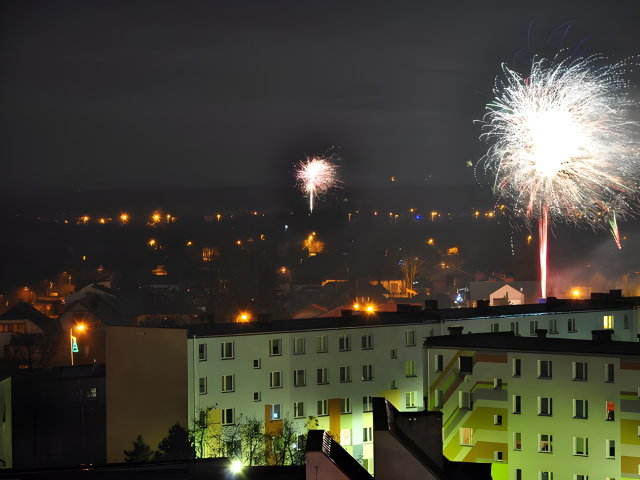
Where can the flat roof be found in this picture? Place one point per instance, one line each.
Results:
(509, 342)
(381, 319)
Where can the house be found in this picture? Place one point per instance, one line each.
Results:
(507, 295)
(486, 290)
(446, 283)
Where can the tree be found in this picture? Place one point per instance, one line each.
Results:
(412, 266)
(141, 452)
(178, 445)
(253, 441)
(289, 448)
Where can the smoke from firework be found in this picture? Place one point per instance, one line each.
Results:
(317, 175)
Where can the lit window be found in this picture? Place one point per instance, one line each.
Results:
(608, 322)
(581, 446)
(466, 436)
(410, 368)
(545, 443)
(411, 399)
(275, 412)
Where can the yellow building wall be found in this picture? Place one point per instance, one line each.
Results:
(146, 386)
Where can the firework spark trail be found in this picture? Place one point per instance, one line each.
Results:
(562, 147)
(317, 175)
(614, 229)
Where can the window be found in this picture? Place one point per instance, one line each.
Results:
(322, 344)
(515, 328)
(322, 375)
(497, 456)
(275, 412)
(394, 353)
(439, 363)
(227, 383)
(608, 372)
(202, 352)
(497, 383)
(464, 399)
(545, 443)
(393, 385)
(275, 347)
(345, 436)
(519, 474)
(571, 327)
(203, 385)
(226, 350)
(323, 407)
(367, 372)
(608, 322)
(466, 365)
(544, 368)
(517, 404)
(497, 419)
(580, 408)
(344, 343)
(367, 435)
(517, 441)
(410, 338)
(581, 446)
(410, 368)
(437, 398)
(466, 436)
(611, 449)
(298, 409)
(495, 327)
(299, 378)
(345, 374)
(553, 326)
(410, 398)
(517, 367)
(256, 363)
(610, 406)
(545, 406)
(581, 477)
(276, 380)
(626, 322)
(533, 326)
(345, 405)
(257, 396)
(298, 345)
(367, 341)
(579, 371)
(366, 404)
(228, 416)
(545, 475)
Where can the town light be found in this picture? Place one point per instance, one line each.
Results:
(218, 217)
(356, 306)
(369, 308)
(188, 244)
(576, 293)
(80, 327)
(239, 242)
(152, 243)
(236, 466)
(124, 217)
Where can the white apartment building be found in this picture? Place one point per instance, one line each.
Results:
(539, 408)
(330, 368)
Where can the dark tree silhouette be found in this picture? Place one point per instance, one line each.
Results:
(178, 445)
(141, 452)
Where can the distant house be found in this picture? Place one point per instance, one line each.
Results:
(446, 283)
(486, 290)
(97, 288)
(506, 295)
(29, 338)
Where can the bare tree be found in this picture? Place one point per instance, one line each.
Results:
(253, 442)
(412, 266)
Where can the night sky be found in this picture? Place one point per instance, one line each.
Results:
(101, 95)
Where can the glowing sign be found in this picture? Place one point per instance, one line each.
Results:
(74, 345)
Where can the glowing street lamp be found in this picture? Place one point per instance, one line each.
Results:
(218, 217)
(74, 343)
(124, 218)
(576, 293)
(433, 214)
(236, 467)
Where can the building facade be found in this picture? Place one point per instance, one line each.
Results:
(538, 407)
(330, 368)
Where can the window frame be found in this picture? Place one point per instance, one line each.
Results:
(367, 435)
(549, 446)
(585, 409)
(272, 376)
(394, 353)
(410, 338)
(585, 446)
(411, 399)
(296, 373)
(574, 372)
(345, 372)
(410, 368)
(608, 322)
(609, 372)
(275, 342)
(439, 363)
(517, 444)
(322, 376)
(517, 405)
(272, 411)
(322, 343)
(461, 432)
(224, 383)
(549, 406)
(202, 352)
(367, 403)
(202, 386)
(322, 408)
(345, 406)
(367, 341)
(302, 350)
(223, 353)
(608, 446)
(549, 364)
(298, 410)
(367, 372)
(345, 340)
(225, 418)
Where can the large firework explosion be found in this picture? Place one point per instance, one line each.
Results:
(562, 145)
(317, 175)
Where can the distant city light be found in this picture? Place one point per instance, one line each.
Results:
(576, 292)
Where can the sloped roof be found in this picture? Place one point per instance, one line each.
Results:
(24, 311)
(321, 441)
(482, 290)
(446, 272)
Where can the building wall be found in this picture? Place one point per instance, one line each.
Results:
(6, 453)
(488, 401)
(146, 386)
(386, 338)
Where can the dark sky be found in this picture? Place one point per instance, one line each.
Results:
(231, 93)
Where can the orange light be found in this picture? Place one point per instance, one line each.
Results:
(102, 220)
(239, 242)
(283, 270)
(375, 213)
(430, 242)
(218, 217)
(576, 293)
(411, 210)
(356, 306)
(152, 242)
(80, 327)
(369, 308)
(188, 244)
(124, 217)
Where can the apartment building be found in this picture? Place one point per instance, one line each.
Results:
(330, 368)
(538, 407)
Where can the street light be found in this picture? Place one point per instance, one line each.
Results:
(80, 327)
(433, 214)
(236, 467)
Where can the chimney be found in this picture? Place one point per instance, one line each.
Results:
(551, 299)
(615, 293)
(431, 304)
(541, 332)
(483, 303)
(455, 330)
(601, 335)
(346, 313)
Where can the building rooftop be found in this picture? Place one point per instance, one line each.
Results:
(434, 316)
(24, 311)
(600, 345)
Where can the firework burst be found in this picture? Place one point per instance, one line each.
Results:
(316, 175)
(562, 147)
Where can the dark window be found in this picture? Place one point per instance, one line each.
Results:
(466, 365)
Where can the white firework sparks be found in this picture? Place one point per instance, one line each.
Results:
(317, 175)
(562, 142)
